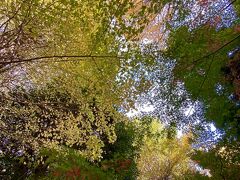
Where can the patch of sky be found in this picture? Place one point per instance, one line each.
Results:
(219, 13)
(232, 53)
(219, 89)
(168, 99)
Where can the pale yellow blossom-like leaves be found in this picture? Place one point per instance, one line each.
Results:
(161, 157)
(84, 130)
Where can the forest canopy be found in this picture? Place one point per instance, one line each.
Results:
(129, 89)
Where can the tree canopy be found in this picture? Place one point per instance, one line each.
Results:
(72, 70)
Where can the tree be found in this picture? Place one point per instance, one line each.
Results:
(203, 74)
(79, 63)
(59, 65)
(47, 117)
(70, 165)
(219, 166)
(206, 54)
(161, 157)
(140, 144)
(119, 156)
(91, 33)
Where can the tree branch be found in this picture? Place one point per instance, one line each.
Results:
(212, 53)
(57, 57)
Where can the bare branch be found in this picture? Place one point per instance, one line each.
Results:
(42, 58)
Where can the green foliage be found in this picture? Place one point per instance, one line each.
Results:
(202, 64)
(201, 54)
(119, 156)
(69, 164)
(218, 166)
(161, 157)
(66, 66)
(65, 55)
(11, 168)
(47, 117)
